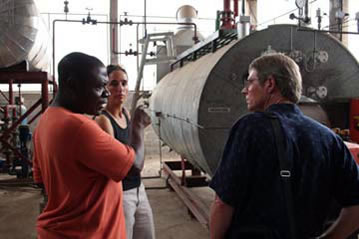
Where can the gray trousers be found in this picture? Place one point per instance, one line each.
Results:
(138, 214)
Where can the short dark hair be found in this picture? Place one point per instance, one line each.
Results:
(112, 68)
(78, 65)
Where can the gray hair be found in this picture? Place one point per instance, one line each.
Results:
(285, 72)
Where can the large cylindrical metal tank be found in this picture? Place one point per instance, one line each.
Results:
(24, 35)
(195, 106)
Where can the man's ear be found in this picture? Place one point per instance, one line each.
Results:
(72, 83)
(270, 84)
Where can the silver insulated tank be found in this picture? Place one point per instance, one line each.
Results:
(23, 36)
(182, 39)
(195, 105)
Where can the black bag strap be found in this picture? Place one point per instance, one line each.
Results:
(285, 171)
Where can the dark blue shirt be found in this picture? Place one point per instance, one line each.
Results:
(248, 175)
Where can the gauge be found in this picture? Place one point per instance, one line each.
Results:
(300, 3)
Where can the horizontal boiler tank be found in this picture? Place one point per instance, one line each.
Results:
(24, 35)
(195, 106)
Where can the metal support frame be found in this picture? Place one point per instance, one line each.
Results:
(166, 37)
(214, 42)
(11, 78)
(181, 186)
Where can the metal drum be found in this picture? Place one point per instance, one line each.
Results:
(195, 106)
(24, 35)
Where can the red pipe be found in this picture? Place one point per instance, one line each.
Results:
(235, 8)
(11, 99)
(8, 131)
(20, 101)
(226, 5)
(114, 48)
(44, 95)
(27, 77)
(6, 113)
(11, 94)
(226, 18)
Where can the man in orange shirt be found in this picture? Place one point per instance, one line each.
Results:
(79, 164)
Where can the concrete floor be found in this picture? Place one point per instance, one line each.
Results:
(19, 207)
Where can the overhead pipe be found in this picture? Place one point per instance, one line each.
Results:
(89, 20)
(324, 31)
(126, 22)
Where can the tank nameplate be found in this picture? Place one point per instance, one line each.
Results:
(219, 109)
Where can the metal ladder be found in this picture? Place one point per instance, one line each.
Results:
(167, 38)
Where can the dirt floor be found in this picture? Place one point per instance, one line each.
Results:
(19, 207)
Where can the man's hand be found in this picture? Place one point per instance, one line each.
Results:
(140, 121)
(141, 118)
(220, 218)
(346, 224)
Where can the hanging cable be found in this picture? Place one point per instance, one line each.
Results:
(335, 24)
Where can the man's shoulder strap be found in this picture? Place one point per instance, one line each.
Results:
(285, 172)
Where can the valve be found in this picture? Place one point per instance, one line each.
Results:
(66, 7)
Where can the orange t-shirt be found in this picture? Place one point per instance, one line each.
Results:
(81, 167)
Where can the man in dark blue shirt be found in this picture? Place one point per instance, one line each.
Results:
(250, 201)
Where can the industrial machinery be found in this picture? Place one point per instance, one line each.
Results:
(195, 105)
(24, 55)
(182, 39)
(24, 35)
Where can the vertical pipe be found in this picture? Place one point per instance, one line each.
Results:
(11, 99)
(114, 31)
(145, 17)
(137, 49)
(7, 153)
(226, 5)
(20, 101)
(139, 76)
(11, 93)
(335, 23)
(183, 168)
(226, 15)
(243, 7)
(6, 114)
(235, 8)
(44, 95)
